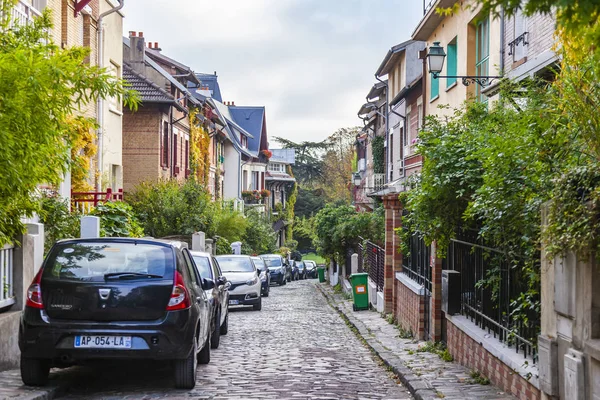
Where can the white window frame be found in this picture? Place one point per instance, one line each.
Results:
(520, 27)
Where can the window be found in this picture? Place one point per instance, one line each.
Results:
(186, 155)
(244, 141)
(391, 148)
(407, 130)
(164, 161)
(482, 54)
(275, 167)
(451, 62)
(434, 87)
(421, 117)
(114, 102)
(519, 50)
(245, 180)
(191, 268)
(255, 180)
(175, 150)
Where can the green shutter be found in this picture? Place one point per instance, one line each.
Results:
(435, 86)
(451, 64)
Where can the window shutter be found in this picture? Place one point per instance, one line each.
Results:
(451, 65)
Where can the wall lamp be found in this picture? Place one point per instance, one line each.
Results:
(435, 58)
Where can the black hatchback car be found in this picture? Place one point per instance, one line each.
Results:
(115, 298)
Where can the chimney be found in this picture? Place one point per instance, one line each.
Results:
(132, 33)
(233, 103)
(137, 52)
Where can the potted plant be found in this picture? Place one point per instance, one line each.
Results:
(265, 193)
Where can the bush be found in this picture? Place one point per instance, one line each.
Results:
(223, 246)
(59, 222)
(229, 223)
(259, 237)
(117, 220)
(167, 208)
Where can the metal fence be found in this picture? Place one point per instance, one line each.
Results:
(416, 264)
(372, 260)
(7, 292)
(489, 285)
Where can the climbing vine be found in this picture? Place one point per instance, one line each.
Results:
(289, 207)
(378, 148)
(199, 149)
(83, 152)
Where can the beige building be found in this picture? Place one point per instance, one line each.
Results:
(472, 44)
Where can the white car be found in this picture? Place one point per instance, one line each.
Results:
(245, 287)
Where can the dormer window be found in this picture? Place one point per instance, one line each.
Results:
(276, 167)
(244, 142)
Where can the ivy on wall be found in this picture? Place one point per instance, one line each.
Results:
(289, 210)
(378, 148)
(199, 149)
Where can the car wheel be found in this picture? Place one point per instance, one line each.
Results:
(266, 294)
(215, 338)
(204, 355)
(284, 282)
(34, 372)
(258, 306)
(225, 326)
(185, 370)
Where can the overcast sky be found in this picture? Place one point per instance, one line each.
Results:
(310, 62)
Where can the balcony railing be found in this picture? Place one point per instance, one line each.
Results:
(24, 12)
(378, 182)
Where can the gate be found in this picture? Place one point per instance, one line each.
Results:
(416, 265)
(371, 259)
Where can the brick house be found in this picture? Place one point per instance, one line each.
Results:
(156, 137)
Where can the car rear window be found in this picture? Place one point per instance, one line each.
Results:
(203, 267)
(235, 264)
(92, 261)
(272, 261)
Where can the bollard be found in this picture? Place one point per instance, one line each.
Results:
(90, 227)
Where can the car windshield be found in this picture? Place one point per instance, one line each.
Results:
(310, 264)
(235, 264)
(203, 265)
(98, 261)
(300, 265)
(260, 264)
(273, 261)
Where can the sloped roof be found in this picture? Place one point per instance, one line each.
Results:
(211, 81)
(391, 58)
(251, 119)
(149, 92)
(377, 90)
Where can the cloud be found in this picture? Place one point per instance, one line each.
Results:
(310, 62)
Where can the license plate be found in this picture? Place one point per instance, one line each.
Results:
(103, 342)
(234, 302)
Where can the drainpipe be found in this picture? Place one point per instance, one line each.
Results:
(387, 125)
(100, 102)
(502, 41)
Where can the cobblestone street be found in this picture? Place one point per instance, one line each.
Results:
(296, 347)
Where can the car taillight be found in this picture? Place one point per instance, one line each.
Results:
(180, 299)
(34, 293)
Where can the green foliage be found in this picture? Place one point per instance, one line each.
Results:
(59, 222)
(436, 348)
(288, 213)
(117, 220)
(309, 202)
(477, 377)
(304, 232)
(42, 87)
(167, 208)
(338, 228)
(229, 223)
(259, 237)
(223, 246)
(378, 148)
(308, 165)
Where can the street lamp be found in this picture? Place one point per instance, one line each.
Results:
(357, 179)
(435, 58)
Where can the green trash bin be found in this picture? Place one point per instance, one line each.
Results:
(360, 291)
(321, 272)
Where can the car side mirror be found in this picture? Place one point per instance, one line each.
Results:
(266, 270)
(208, 284)
(221, 280)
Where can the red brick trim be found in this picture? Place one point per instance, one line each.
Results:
(473, 355)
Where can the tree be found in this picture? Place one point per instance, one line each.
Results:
(42, 88)
(308, 167)
(337, 165)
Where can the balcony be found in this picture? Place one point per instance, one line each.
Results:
(378, 182)
(25, 11)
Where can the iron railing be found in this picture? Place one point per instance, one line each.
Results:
(7, 291)
(416, 264)
(372, 260)
(489, 285)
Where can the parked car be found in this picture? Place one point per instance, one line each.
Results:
(245, 284)
(278, 269)
(295, 272)
(115, 298)
(301, 269)
(263, 274)
(216, 287)
(311, 268)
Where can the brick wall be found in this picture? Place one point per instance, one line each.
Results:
(410, 310)
(540, 35)
(141, 146)
(473, 355)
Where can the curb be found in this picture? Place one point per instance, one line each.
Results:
(419, 388)
(12, 378)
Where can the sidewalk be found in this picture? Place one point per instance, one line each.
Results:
(425, 374)
(11, 387)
